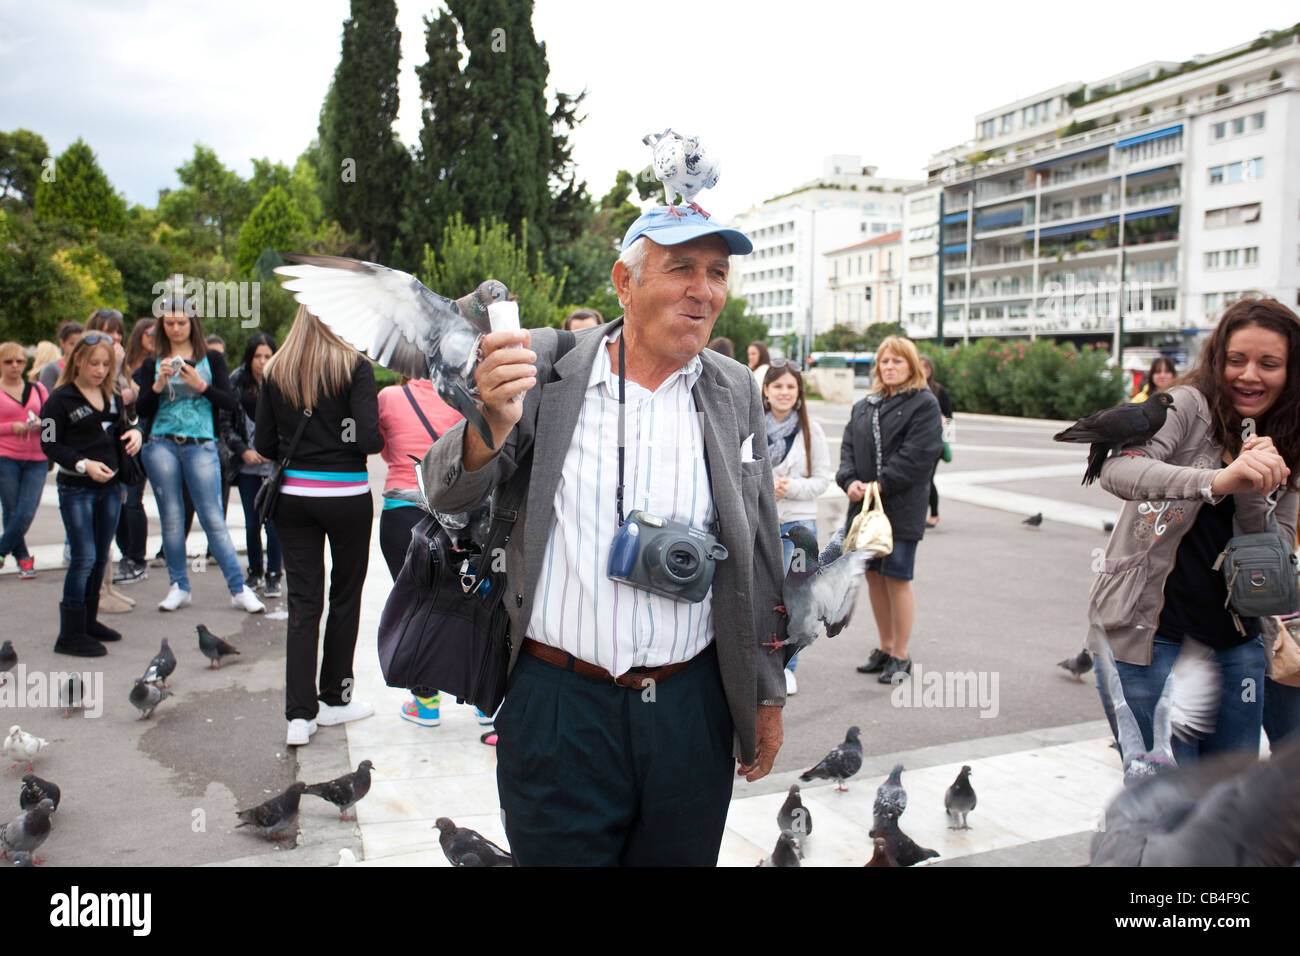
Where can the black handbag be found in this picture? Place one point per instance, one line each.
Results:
(130, 469)
(268, 496)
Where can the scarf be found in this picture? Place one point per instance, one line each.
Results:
(778, 436)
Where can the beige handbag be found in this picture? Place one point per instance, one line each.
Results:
(870, 530)
(1286, 654)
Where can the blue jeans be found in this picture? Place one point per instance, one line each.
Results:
(1241, 707)
(787, 551)
(90, 518)
(1281, 712)
(171, 469)
(21, 484)
(248, 488)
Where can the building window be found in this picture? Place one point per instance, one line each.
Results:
(1231, 257)
(1257, 121)
(1212, 260)
(1250, 256)
(988, 128)
(1211, 303)
(1232, 216)
(1008, 122)
(1219, 130)
(1239, 126)
(1216, 175)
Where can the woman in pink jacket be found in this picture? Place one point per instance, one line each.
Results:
(22, 463)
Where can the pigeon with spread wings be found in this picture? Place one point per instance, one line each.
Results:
(399, 323)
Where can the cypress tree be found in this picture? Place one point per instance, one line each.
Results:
(80, 192)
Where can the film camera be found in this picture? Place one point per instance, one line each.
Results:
(665, 557)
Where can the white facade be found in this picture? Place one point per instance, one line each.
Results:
(862, 287)
(919, 258)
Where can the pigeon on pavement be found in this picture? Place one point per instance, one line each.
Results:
(794, 818)
(276, 817)
(817, 593)
(399, 323)
(8, 660)
(901, 848)
(959, 800)
(162, 665)
(1078, 665)
(683, 166)
(1034, 520)
(465, 847)
(1108, 526)
(891, 798)
(145, 697)
(879, 853)
(840, 764)
(20, 746)
(22, 858)
(35, 790)
(72, 694)
(1106, 430)
(213, 647)
(785, 853)
(345, 791)
(27, 831)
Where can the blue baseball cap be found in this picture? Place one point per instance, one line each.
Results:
(661, 226)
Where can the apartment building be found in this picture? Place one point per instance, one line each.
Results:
(862, 287)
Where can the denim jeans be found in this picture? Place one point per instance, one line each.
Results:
(90, 518)
(171, 469)
(21, 484)
(787, 551)
(248, 487)
(1281, 712)
(1241, 706)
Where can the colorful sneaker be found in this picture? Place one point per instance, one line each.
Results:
(26, 569)
(417, 712)
(272, 587)
(483, 719)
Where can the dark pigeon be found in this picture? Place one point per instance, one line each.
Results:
(22, 858)
(1109, 429)
(345, 791)
(794, 818)
(145, 697)
(213, 647)
(276, 817)
(1078, 665)
(818, 592)
(840, 764)
(35, 790)
(8, 659)
(27, 831)
(162, 665)
(72, 694)
(399, 323)
(891, 798)
(465, 847)
(879, 853)
(1108, 526)
(901, 849)
(785, 853)
(1034, 520)
(959, 800)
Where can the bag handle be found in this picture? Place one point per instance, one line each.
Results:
(293, 444)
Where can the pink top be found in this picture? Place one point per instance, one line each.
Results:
(28, 447)
(403, 432)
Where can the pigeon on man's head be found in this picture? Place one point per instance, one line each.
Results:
(840, 764)
(277, 817)
(460, 844)
(793, 817)
(1078, 665)
(1034, 520)
(8, 660)
(345, 791)
(145, 697)
(683, 166)
(35, 790)
(959, 800)
(162, 665)
(213, 647)
(815, 593)
(1106, 430)
(20, 746)
(27, 831)
(901, 848)
(785, 853)
(399, 323)
(891, 798)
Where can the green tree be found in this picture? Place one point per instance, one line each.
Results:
(31, 284)
(838, 338)
(80, 192)
(209, 206)
(276, 223)
(877, 332)
(737, 323)
(21, 155)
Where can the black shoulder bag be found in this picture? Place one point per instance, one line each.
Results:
(445, 623)
(268, 496)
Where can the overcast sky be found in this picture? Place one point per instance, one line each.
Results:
(772, 87)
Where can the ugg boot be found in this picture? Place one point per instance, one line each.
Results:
(73, 639)
(110, 601)
(93, 628)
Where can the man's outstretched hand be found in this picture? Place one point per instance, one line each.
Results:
(770, 737)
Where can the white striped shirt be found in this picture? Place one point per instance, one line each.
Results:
(577, 607)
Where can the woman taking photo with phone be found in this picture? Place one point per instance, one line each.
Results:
(88, 435)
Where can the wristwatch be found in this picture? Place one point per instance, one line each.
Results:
(81, 466)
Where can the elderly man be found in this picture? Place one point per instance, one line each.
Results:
(626, 708)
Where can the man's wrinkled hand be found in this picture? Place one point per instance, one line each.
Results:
(770, 737)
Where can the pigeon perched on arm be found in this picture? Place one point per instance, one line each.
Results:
(815, 593)
(35, 790)
(901, 849)
(276, 817)
(683, 166)
(891, 798)
(959, 800)
(20, 746)
(1108, 429)
(1078, 665)
(794, 818)
(785, 853)
(213, 647)
(145, 697)
(465, 847)
(162, 665)
(8, 660)
(399, 323)
(27, 831)
(345, 791)
(840, 764)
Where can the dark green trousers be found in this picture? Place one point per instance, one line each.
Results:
(593, 774)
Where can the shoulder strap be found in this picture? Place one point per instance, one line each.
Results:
(423, 421)
(27, 393)
(293, 444)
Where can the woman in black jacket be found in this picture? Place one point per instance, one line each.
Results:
(945, 408)
(894, 436)
(90, 434)
(321, 383)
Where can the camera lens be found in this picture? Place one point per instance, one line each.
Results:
(682, 562)
(676, 561)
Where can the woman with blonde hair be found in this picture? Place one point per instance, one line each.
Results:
(318, 410)
(22, 465)
(894, 436)
(45, 353)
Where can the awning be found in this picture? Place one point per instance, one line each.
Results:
(950, 250)
(1056, 161)
(1147, 137)
(1001, 219)
(954, 218)
(1148, 172)
(1150, 213)
(1073, 227)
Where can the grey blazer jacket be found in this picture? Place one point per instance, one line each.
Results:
(747, 585)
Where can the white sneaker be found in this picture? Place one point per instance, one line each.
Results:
(328, 716)
(300, 732)
(791, 685)
(246, 600)
(176, 599)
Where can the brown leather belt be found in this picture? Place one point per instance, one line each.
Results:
(638, 678)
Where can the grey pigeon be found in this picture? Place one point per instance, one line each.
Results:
(794, 818)
(683, 166)
(213, 647)
(901, 849)
(1078, 665)
(345, 791)
(276, 817)
(35, 790)
(879, 853)
(145, 697)
(1106, 430)
(891, 798)
(1034, 520)
(1228, 810)
(22, 858)
(162, 665)
(817, 593)
(785, 853)
(8, 659)
(840, 764)
(27, 831)
(72, 694)
(399, 323)
(959, 800)
(463, 846)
